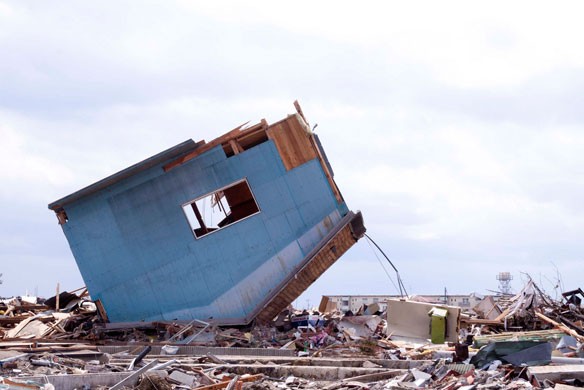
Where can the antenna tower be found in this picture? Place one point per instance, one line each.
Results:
(505, 279)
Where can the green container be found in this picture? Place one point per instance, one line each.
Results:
(438, 325)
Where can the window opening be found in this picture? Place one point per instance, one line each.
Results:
(220, 208)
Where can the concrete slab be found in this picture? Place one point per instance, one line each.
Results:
(556, 373)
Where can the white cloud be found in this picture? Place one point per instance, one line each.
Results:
(462, 44)
(454, 127)
(21, 162)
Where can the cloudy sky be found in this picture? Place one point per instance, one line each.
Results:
(455, 127)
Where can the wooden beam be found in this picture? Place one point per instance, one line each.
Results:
(199, 218)
(205, 148)
(263, 125)
(224, 384)
(235, 146)
(134, 376)
(481, 321)
(101, 310)
(562, 327)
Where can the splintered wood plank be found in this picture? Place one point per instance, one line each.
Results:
(225, 138)
(299, 110)
(18, 384)
(258, 127)
(292, 141)
(562, 327)
(101, 310)
(251, 136)
(224, 384)
(235, 146)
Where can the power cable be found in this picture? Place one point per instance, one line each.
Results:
(382, 266)
(402, 288)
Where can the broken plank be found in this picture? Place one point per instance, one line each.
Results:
(134, 375)
(18, 384)
(12, 333)
(12, 320)
(223, 385)
(562, 327)
(205, 148)
(235, 146)
(299, 110)
(233, 384)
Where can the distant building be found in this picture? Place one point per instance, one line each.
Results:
(353, 303)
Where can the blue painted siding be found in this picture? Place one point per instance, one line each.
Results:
(137, 253)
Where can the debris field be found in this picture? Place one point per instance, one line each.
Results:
(535, 342)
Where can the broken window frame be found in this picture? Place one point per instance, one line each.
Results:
(196, 221)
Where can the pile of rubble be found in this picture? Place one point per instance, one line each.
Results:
(526, 341)
(533, 311)
(66, 316)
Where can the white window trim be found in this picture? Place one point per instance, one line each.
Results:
(190, 202)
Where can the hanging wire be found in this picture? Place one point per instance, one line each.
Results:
(402, 288)
(382, 265)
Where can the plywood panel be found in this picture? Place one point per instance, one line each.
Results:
(410, 319)
(292, 141)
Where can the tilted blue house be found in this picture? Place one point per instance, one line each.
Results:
(231, 230)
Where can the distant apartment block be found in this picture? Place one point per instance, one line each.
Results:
(353, 303)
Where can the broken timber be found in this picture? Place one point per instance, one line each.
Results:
(228, 231)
